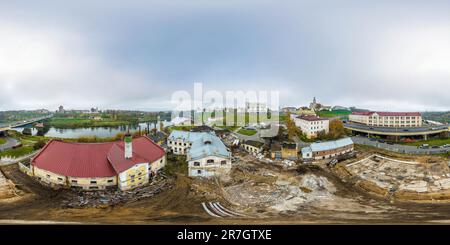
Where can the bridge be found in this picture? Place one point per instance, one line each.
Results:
(423, 131)
(5, 127)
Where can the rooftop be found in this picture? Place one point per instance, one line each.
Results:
(203, 144)
(386, 113)
(330, 145)
(311, 118)
(88, 160)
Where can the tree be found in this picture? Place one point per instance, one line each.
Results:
(337, 129)
(39, 144)
(291, 128)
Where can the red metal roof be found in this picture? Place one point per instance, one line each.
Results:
(311, 118)
(88, 160)
(385, 113)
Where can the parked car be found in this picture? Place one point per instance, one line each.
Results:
(446, 145)
(424, 146)
(332, 162)
(435, 146)
(382, 141)
(390, 143)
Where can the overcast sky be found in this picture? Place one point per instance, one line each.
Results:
(380, 55)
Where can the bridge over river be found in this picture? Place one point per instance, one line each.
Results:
(5, 127)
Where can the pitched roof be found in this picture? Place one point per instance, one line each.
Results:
(88, 160)
(311, 118)
(207, 145)
(330, 145)
(386, 113)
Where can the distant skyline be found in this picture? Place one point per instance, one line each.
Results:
(377, 55)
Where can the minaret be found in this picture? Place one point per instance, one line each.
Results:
(128, 146)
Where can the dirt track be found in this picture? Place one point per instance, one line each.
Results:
(181, 204)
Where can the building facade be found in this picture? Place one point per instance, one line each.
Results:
(252, 146)
(387, 119)
(312, 125)
(289, 151)
(206, 154)
(324, 150)
(97, 166)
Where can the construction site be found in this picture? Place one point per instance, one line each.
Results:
(370, 188)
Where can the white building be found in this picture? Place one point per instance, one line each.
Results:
(252, 146)
(387, 119)
(206, 154)
(311, 125)
(327, 149)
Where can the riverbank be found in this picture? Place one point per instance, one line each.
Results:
(83, 122)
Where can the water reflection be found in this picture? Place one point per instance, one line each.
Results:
(102, 132)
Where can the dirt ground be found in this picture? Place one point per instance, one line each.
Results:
(265, 194)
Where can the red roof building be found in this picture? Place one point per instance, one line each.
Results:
(387, 119)
(385, 113)
(95, 160)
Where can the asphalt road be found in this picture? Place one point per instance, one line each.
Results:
(397, 147)
(10, 142)
(429, 128)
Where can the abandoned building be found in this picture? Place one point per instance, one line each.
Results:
(327, 149)
(206, 154)
(91, 166)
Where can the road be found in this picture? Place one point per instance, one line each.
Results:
(428, 129)
(397, 147)
(10, 143)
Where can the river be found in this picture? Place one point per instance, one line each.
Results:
(102, 132)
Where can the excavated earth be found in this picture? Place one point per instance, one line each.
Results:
(263, 193)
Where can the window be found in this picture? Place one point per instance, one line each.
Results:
(196, 163)
(93, 182)
(131, 176)
(74, 181)
(60, 179)
(210, 161)
(223, 162)
(199, 171)
(48, 175)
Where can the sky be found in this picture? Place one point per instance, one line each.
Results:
(380, 55)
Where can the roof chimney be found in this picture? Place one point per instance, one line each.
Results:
(128, 146)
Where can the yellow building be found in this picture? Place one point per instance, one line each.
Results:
(97, 166)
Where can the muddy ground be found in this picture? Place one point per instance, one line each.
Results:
(266, 194)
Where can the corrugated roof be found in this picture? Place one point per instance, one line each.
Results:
(203, 144)
(88, 160)
(330, 145)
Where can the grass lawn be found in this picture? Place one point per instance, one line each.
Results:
(247, 132)
(334, 113)
(430, 142)
(17, 152)
(82, 122)
(181, 128)
(2, 141)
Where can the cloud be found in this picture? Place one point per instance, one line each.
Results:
(384, 55)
